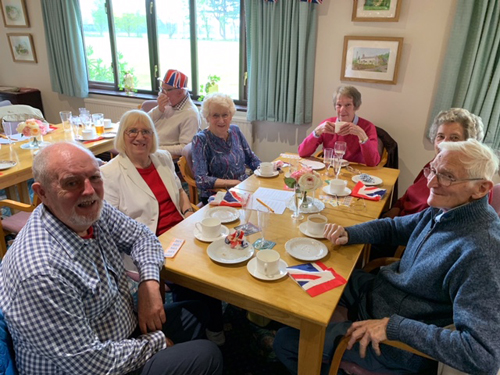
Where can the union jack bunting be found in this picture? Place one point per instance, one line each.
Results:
(315, 278)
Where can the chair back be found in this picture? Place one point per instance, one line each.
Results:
(148, 105)
(390, 154)
(185, 164)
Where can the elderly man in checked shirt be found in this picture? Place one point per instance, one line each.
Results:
(64, 292)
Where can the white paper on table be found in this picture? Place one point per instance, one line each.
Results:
(274, 198)
(14, 138)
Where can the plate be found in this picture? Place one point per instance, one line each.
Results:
(346, 192)
(108, 135)
(223, 233)
(315, 165)
(306, 249)
(80, 138)
(303, 229)
(252, 268)
(224, 214)
(6, 164)
(377, 180)
(318, 206)
(220, 252)
(258, 174)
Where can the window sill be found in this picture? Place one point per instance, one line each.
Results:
(138, 95)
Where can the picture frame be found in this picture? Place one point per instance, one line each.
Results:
(14, 13)
(371, 59)
(376, 10)
(22, 47)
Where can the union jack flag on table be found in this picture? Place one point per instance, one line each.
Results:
(227, 198)
(372, 193)
(315, 278)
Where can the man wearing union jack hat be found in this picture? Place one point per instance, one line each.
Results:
(176, 118)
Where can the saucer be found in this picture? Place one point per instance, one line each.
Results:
(315, 165)
(258, 174)
(224, 231)
(220, 252)
(346, 191)
(306, 249)
(6, 164)
(303, 229)
(224, 214)
(252, 268)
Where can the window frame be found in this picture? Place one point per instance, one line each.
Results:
(104, 88)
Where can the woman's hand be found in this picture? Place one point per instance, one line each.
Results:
(325, 127)
(350, 128)
(336, 234)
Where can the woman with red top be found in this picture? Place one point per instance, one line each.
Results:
(453, 125)
(141, 181)
(359, 134)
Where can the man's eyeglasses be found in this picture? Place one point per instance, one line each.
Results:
(162, 90)
(135, 132)
(445, 180)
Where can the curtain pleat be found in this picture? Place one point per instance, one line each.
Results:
(65, 49)
(281, 49)
(470, 76)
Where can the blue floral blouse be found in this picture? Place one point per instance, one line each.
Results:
(214, 158)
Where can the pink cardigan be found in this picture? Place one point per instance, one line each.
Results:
(366, 153)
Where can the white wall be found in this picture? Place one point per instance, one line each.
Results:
(401, 109)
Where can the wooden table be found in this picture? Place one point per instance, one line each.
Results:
(282, 300)
(22, 172)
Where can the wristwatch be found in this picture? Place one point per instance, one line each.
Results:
(190, 209)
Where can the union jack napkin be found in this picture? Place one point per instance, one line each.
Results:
(315, 278)
(372, 193)
(227, 198)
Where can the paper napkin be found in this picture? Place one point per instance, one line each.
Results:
(227, 198)
(315, 278)
(372, 193)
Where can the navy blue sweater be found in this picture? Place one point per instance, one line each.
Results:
(449, 274)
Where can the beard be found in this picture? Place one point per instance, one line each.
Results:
(87, 220)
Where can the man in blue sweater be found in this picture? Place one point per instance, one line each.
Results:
(447, 275)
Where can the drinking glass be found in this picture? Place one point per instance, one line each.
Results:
(328, 158)
(66, 120)
(246, 204)
(340, 149)
(337, 166)
(263, 221)
(98, 120)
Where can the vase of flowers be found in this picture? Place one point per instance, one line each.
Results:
(303, 181)
(129, 83)
(35, 129)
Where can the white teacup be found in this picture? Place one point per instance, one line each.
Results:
(338, 125)
(107, 122)
(337, 186)
(209, 227)
(266, 168)
(89, 133)
(268, 262)
(316, 224)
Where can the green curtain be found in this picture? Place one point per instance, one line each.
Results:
(65, 49)
(470, 77)
(281, 48)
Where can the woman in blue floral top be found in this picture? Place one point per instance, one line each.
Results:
(220, 152)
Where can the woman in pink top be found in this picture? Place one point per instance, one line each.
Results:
(359, 134)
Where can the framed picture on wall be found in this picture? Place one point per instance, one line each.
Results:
(371, 59)
(14, 13)
(376, 10)
(22, 47)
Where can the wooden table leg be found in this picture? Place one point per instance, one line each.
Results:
(312, 340)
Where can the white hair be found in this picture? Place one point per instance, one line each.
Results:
(479, 160)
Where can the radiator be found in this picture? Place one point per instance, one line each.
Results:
(115, 109)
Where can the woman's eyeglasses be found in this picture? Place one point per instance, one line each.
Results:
(135, 132)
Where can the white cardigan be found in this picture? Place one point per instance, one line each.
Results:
(125, 189)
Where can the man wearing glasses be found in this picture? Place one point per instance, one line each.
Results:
(176, 118)
(447, 275)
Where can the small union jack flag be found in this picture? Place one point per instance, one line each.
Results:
(315, 278)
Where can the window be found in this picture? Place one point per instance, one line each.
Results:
(201, 38)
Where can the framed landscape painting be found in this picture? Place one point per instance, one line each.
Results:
(14, 13)
(376, 10)
(371, 59)
(22, 48)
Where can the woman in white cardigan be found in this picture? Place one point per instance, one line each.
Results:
(141, 181)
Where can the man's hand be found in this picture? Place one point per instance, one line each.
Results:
(367, 331)
(163, 101)
(336, 234)
(150, 307)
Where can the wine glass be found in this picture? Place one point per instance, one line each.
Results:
(340, 149)
(246, 204)
(263, 221)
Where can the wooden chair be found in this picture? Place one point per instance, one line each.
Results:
(188, 176)
(14, 223)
